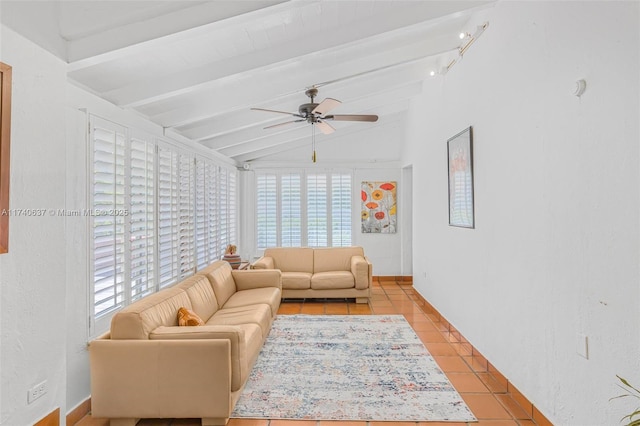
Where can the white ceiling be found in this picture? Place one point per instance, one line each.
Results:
(197, 67)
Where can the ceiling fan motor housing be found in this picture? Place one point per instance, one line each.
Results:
(306, 109)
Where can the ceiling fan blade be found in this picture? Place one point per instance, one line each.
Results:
(326, 106)
(279, 112)
(325, 127)
(282, 124)
(353, 117)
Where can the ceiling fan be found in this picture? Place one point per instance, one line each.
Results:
(316, 115)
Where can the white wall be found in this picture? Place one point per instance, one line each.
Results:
(32, 274)
(556, 246)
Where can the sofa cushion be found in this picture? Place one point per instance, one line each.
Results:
(332, 280)
(296, 280)
(268, 295)
(251, 314)
(137, 320)
(201, 294)
(186, 317)
(219, 275)
(294, 259)
(246, 342)
(334, 258)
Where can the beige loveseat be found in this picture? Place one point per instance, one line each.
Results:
(336, 272)
(149, 367)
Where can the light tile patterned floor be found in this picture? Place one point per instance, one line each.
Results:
(483, 391)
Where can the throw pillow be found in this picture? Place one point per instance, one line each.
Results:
(188, 317)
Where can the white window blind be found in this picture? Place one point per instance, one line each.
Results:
(317, 209)
(231, 207)
(186, 234)
(202, 213)
(215, 211)
(142, 219)
(340, 210)
(266, 210)
(223, 207)
(291, 210)
(176, 211)
(108, 195)
(168, 237)
(296, 209)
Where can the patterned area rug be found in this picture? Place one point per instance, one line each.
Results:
(348, 367)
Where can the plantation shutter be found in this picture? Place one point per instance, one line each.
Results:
(186, 246)
(167, 216)
(108, 195)
(266, 210)
(291, 210)
(142, 218)
(223, 188)
(201, 215)
(317, 221)
(340, 210)
(214, 213)
(231, 203)
(215, 217)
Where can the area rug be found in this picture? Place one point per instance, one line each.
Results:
(348, 367)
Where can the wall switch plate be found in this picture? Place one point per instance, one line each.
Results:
(582, 345)
(37, 391)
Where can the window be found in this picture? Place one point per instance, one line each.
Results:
(158, 213)
(340, 210)
(108, 192)
(291, 210)
(168, 238)
(295, 209)
(142, 225)
(215, 211)
(267, 210)
(317, 210)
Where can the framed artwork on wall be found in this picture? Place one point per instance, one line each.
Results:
(460, 164)
(5, 135)
(379, 207)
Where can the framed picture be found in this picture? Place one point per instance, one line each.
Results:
(460, 152)
(5, 135)
(379, 207)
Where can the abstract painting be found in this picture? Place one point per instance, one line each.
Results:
(379, 207)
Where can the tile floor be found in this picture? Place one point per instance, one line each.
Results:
(484, 391)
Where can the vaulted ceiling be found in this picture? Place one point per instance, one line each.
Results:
(197, 67)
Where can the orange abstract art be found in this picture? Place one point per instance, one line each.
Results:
(379, 207)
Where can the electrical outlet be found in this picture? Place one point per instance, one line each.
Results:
(37, 391)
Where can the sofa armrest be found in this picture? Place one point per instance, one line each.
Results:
(361, 270)
(234, 334)
(246, 280)
(265, 262)
(160, 378)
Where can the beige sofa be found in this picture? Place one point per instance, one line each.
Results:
(149, 367)
(336, 272)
